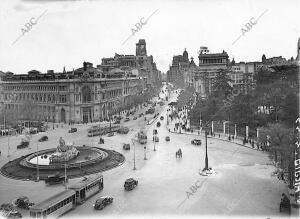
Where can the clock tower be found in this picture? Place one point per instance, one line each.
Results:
(141, 48)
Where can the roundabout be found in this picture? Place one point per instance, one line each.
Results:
(89, 160)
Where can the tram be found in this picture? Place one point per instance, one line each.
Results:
(97, 130)
(67, 200)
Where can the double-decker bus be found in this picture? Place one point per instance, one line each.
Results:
(65, 201)
(97, 130)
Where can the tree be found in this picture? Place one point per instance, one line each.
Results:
(221, 86)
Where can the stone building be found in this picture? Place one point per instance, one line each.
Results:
(82, 95)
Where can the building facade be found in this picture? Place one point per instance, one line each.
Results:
(82, 95)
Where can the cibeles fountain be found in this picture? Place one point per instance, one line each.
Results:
(77, 160)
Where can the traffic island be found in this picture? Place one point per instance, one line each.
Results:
(92, 160)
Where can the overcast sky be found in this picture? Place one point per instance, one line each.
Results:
(70, 32)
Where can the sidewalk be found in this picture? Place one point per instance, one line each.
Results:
(222, 136)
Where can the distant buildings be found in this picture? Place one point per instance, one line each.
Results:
(86, 94)
(202, 77)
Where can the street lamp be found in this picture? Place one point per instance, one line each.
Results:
(134, 168)
(37, 163)
(206, 155)
(145, 157)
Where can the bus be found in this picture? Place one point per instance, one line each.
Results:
(55, 205)
(97, 130)
(87, 187)
(67, 200)
(142, 137)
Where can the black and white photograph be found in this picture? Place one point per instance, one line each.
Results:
(149, 109)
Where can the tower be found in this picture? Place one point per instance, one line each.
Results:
(185, 56)
(263, 58)
(141, 48)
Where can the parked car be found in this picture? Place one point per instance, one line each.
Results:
(161, 118)
(110, 134)
(158, 124)
(141, 114)
(33, 130)
(72, 130)
(126, 146)
(23, 144)
(135, 118)
(23, 202)
(167, 138)
(127, 119)
(44, 138)
(196, 142)
(130, 184)
(103, 202)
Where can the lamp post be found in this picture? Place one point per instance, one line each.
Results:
(134, 167)
(145, 157)
(66, 186)
(37, 163)
(206, 155)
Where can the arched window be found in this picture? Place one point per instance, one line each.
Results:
(86, 94)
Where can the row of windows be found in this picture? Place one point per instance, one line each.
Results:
(33, 88)
(91, 186)
(36, 97)
(55, 207)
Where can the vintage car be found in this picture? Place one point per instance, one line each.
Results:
(196, 142)
(155, 138)
(23, 144)
(103, 202)
(55, 179)
(167, 138)
(8, 211)
(126, 146)
(130, 184)
(44, 138)
(135, 118)
(158, 124)
(110, 134)
(72, 130)
(123, 130)
(161, 118)
(127, 119)
(117, 122)
(101, 141)
(23, 202)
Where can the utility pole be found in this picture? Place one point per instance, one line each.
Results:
(37, 163)
(206, 156)
(134, 168)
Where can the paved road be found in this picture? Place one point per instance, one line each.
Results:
(241, 185)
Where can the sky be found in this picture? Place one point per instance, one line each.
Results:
(68, 32)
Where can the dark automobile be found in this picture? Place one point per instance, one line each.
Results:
(155, 138)
(72, 130)
(127, 119)
(126, 146)
(167, 138)
(23, 202)
(150, 111)
(158, 124)
(8, 211)
(140, 115)
(103, 202)
(44, 138)
(135, 118)
(161, 118)
(23, 144)
(55, 179)
(196, 142)
(130, 184)
(117, 122)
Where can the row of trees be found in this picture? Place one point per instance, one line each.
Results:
(276, 91)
